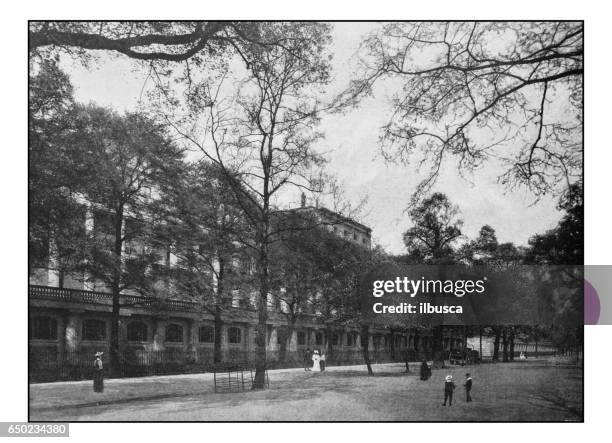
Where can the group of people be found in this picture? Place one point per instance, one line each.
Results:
(314, 361)
(449, 385)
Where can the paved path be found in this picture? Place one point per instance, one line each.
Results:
(536, 390)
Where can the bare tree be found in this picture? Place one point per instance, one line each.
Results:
(504, 91)
(262, 137)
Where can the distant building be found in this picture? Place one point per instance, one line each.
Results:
(527, 347)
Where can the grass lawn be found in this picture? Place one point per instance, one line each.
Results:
(536, 390)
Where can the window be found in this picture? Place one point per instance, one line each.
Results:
(364, 240)
(335, 339)
(351, 339)
(137, 331)
(43, 328)
(207, 334)
(301, 338)
(94, 330)
(174, 333)
(354, 236)
(235, 298)
(234, 335)
(376, 341)
(318, 339)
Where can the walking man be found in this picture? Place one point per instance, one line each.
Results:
(449, 387)
(468, 387)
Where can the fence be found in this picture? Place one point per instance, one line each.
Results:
(46, 364)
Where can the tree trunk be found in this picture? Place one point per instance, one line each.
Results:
(329, 340)
(438, 346)
(407, 352)
(505, 344)
(496, 344)
(114, 362)
(285, 341)
(480, 341)
(262, 311)
(365, 345)
(217, 351)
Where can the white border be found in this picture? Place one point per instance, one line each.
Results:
(13, 173)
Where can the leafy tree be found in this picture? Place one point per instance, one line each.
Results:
(436, 227)
(561, 251)
(480, 91)
(55, 219)
(198, 218)
(295, 277)
(564, 244)
(124, 159)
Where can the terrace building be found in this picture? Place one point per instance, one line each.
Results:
(70, 320)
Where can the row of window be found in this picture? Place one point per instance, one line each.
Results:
(347, 234)
(45, 328)
(351, 339)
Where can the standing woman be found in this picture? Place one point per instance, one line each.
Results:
(307, 360)
(98, 377)
(316, 358)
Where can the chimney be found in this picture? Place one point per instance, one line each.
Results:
(303, 200)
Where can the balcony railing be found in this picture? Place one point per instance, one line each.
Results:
(38, 292)
(104, 298)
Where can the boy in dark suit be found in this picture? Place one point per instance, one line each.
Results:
(468, 387)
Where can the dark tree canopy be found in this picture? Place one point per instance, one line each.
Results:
(564, 244)
(436, 226)
(52, 212)
(476, 91)
(176, 41)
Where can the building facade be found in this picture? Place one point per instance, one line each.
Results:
(69, 324)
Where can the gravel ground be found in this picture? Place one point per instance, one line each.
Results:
(520, 391)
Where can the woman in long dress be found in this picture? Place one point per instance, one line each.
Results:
(316, 358)
(98, 376)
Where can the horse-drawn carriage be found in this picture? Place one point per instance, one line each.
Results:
(466, 356)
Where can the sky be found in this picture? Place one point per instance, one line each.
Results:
(352, 149)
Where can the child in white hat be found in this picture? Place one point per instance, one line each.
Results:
(449, 387)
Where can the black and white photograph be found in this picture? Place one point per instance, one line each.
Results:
(305, 221)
